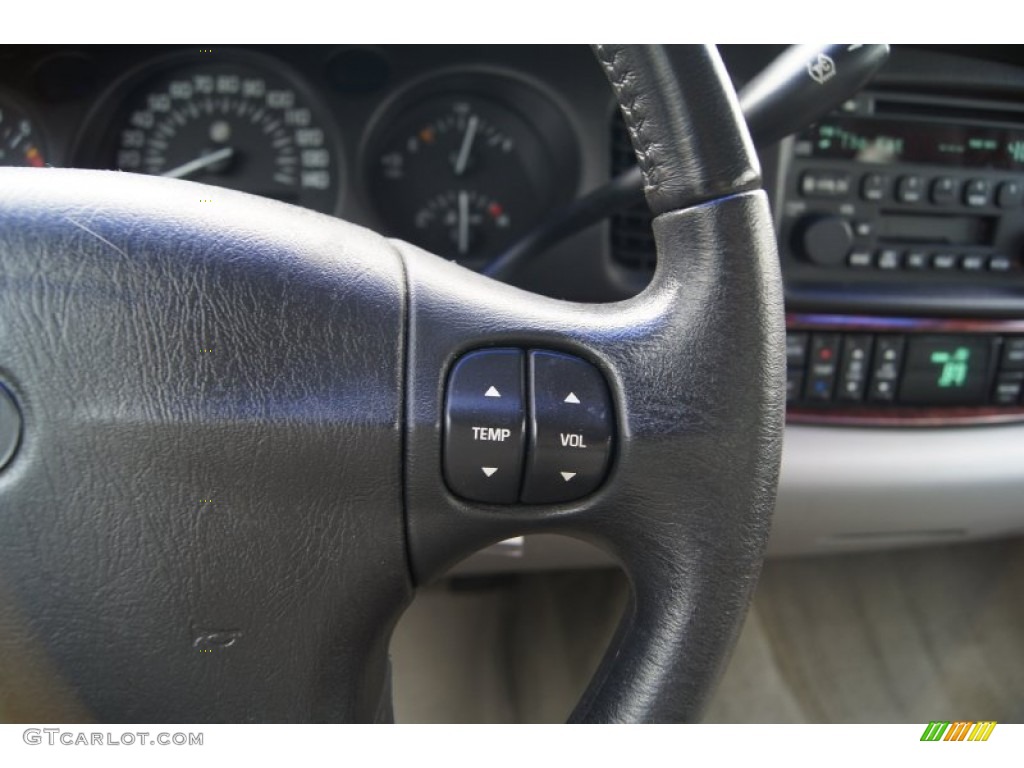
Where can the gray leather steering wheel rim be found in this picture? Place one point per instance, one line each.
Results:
(230, 535)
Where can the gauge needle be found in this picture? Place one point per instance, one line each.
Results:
(467, 143)
(187, 169)
(463, 222)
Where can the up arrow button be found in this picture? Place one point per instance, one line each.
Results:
(571, 398)
(492, 392)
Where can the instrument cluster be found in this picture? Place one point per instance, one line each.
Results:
(461, 161)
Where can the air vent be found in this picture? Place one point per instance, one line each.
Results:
(632, 243)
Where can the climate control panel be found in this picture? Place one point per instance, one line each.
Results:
(904, 370)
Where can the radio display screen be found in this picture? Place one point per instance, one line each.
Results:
(881, 141)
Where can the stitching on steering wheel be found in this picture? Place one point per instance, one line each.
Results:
(619, 76)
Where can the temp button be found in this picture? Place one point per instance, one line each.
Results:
(485, 420)
(571, 429)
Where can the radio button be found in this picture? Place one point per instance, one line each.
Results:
(998, 264)
(917, 260)
(910, 189)
(1009, 194)
(859, 259)
(827, 240)
(890, 259)
(973, 263)
(944, 261)
(824, 184)
(977, 193)
(944, 190)
(873, 186)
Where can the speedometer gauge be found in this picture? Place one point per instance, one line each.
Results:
(233, 124)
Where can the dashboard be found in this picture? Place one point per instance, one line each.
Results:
(900, 220)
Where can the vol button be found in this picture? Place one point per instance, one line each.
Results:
(571, 428)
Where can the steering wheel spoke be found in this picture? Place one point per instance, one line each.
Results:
(696, 393)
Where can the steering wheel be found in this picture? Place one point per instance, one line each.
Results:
(233, 421)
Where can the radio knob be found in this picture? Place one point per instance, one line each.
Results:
(826, 240)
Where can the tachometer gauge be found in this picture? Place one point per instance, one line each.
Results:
(20, 142)
(233, 124)
(463, 174)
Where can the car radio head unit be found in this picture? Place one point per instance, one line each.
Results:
(906, 192)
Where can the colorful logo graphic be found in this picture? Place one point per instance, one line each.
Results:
(979, 731)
